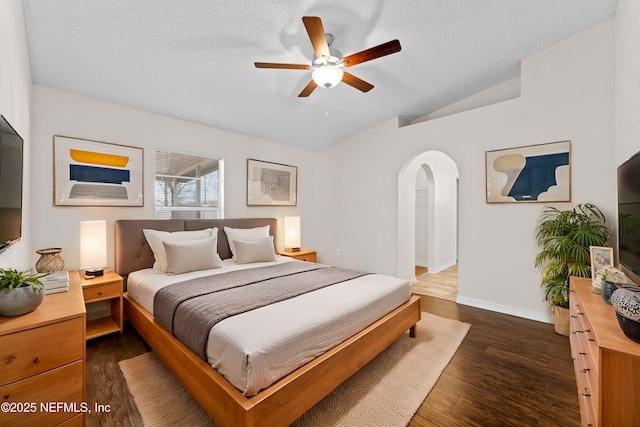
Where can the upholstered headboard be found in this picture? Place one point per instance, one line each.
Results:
(133, 253)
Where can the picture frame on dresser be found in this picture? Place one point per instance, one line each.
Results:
(95, 173)
(600, 258)
(271, 184)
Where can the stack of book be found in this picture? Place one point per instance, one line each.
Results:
(55, 282)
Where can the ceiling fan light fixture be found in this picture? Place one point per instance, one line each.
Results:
(327, 76)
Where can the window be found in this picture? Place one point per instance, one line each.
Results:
(188, 186)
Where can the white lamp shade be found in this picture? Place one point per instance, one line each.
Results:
(291, 233)
(93, 244)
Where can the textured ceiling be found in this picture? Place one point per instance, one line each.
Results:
(193, 59)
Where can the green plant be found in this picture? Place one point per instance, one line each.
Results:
(565, 237)
(613, 275)
(11, 279)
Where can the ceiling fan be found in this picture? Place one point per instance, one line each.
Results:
(329, 63)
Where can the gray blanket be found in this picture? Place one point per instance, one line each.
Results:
(191, 308)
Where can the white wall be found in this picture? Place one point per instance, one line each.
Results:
(627, 124)
(567, 93)
(61, 113)
(422, 218)
(15, 102)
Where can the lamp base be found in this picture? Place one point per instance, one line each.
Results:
(292, 249)
(94, 272)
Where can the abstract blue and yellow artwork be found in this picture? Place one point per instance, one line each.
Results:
(535, 173)
(93, 173)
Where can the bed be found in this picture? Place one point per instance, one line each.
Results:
(279, 403)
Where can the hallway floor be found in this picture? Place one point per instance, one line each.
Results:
(443, 284)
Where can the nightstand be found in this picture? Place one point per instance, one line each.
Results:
(107, 287)
(302, 255)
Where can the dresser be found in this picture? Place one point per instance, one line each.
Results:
(42, 363)
(607, 363)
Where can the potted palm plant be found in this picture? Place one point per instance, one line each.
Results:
(20, 292)
(565, 237)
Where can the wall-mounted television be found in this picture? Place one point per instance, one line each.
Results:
(629, 217)
(10, 185)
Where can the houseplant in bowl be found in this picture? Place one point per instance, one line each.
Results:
(611, 276)
(20, 292)
(565, 237)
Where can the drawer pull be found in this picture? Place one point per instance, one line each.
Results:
(574, 316)
(36, 360)
(585, 370)
(586, 394)
(6, 396)
(99, 293)
(584, 354)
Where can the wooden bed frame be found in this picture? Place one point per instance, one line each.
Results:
(287, 399)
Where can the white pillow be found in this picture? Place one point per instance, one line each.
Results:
(244, 234)
(156, 238)
(192, 255)
(259, 250)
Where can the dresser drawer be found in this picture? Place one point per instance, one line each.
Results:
(32, 351)
(47, 393)
(101, 292)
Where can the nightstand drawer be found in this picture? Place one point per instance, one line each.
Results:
(101, 292)
(36, 350)
(307, 257)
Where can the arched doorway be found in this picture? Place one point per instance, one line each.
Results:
(442, 226)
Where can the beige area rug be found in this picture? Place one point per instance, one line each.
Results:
(386, 392)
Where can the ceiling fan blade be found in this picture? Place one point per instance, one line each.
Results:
(314, 27)
(354, 81)
(284, 66)
(308, 89)
(372, 53)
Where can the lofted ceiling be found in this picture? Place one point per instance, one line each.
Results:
(194, 59)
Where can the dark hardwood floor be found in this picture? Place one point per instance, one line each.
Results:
(507, 372)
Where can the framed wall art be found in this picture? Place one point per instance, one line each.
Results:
(271, 184)
(93, 173)
(535, 173)
(600, 258)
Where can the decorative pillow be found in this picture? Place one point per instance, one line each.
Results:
(192, 255)
(234, 234)
(260, 250)
(156, 238)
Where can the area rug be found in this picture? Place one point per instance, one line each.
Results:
(386, 392)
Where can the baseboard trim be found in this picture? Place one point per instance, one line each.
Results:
(505, 309)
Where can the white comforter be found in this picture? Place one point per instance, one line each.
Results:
(255, 349)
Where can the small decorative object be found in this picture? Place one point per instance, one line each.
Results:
(20, 292)
(627, 305)
(50, 260)
(610, 276)
(600, 257)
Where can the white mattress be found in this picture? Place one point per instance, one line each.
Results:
(255, 349)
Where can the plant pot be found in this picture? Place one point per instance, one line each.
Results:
(561, 320)
(17, 301)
